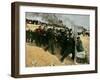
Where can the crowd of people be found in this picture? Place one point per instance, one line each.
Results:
(51, 39)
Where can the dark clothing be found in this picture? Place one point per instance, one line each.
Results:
(43, 38)
(38, 36)
(79, 46)
(28, 35)
(33, 36)
(51, 40)
(68, 48)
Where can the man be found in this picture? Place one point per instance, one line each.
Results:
(51, 41)
(80, 51)
(79, 45)
(28, 35)
(38, 36)
(43, 37)
(69, 47)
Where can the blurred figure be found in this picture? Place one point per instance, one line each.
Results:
(69, 48)
(38, 36)
(51, 41)
(80, 55)
(28, 35)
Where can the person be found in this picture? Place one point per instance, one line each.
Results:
(51, 41)
(80, 55)
(28, 35)
(68, 48)
(38, 36)
(43, 37)
(33, 37)
(79, 45)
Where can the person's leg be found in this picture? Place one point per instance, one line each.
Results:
(52, 48)
(73, 55)
(64, 56)
(32, 39)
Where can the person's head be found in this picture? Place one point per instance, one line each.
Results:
(78, 38)
(70, 30)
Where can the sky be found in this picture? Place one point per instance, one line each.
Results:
(68, 19)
